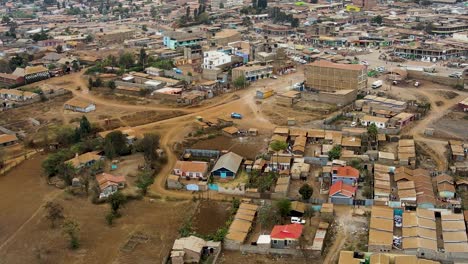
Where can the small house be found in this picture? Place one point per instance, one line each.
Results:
(227, 166)
(300, 170)
(264, 93)
(84, 160)
(278, 163)
(342, 193)
(286, 236)
(230, 131)
(380, 122)
(173, 182)
(346, 174)
(78, 105)
(191, 169)
(109, 184)
(297, 209)
(445, 186)
(6, 140)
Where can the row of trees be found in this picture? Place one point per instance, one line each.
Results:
(131, 62)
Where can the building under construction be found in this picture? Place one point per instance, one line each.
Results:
(327, 76)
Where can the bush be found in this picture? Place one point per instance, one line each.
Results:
(110, 218)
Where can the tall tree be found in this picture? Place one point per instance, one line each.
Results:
(306, 191)
(148, 145)
(54, 213)
(143, 56)
(116, 201)
(115, 143)
(71, 228)
(85, 127)
(284, 207)
(278, 146)
(372, 131)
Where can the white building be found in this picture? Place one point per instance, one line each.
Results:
(213, 59)
(380, 122)
(216, 4)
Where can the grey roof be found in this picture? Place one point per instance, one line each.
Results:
(230, 161)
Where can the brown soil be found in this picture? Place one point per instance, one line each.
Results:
(233, 257)
(146, 117)
(210, 216)
(247, 147)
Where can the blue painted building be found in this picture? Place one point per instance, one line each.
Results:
(227, 166)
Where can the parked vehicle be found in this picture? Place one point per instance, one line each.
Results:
(457, 75)
(417, 84)
(377, 84)
(364, 63)
(353, 124)
(297, 220)
(236, 115)
(274, 77)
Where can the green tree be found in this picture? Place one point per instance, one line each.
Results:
(116, 201)
(221, 5)
(278, 146)
(284, 207)
(65, 136)
(267, 216)
(143, 57)
(377, 20)
(126, 60)
(54, 213)
(52, 164)
(372, 131)
(153, 12)
(75, 66)
(66, 172)
(144, 180)
(59, 48)
(85, 127)
(144, 28)
(334, 153)
(240, 82)
(111, 84)
(115, 143)
(71, 229)
(97, 82)
(148, 145)
(306, 191)
(16, 61)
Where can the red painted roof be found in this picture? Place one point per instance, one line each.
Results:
(292, 231)
(345, 171)
(343, 189)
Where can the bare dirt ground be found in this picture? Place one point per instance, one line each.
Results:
(22, 193)
(247, 147)
(347, 225)
(210, 216)
(38, 243)
(453, 125)
(233, 257)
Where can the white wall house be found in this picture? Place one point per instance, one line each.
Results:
(380, 122)
(214, 59)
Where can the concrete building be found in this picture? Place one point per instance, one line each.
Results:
(223, 37)
(328, 76)
(114, 36)
(228, 4)
(175, 39)
(252, 72)
(214, 59)
(365, 4)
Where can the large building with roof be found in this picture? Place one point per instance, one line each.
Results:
(328, 76)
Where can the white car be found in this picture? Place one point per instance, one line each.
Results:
(353, 124)
(297, 220)
(364, 63)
